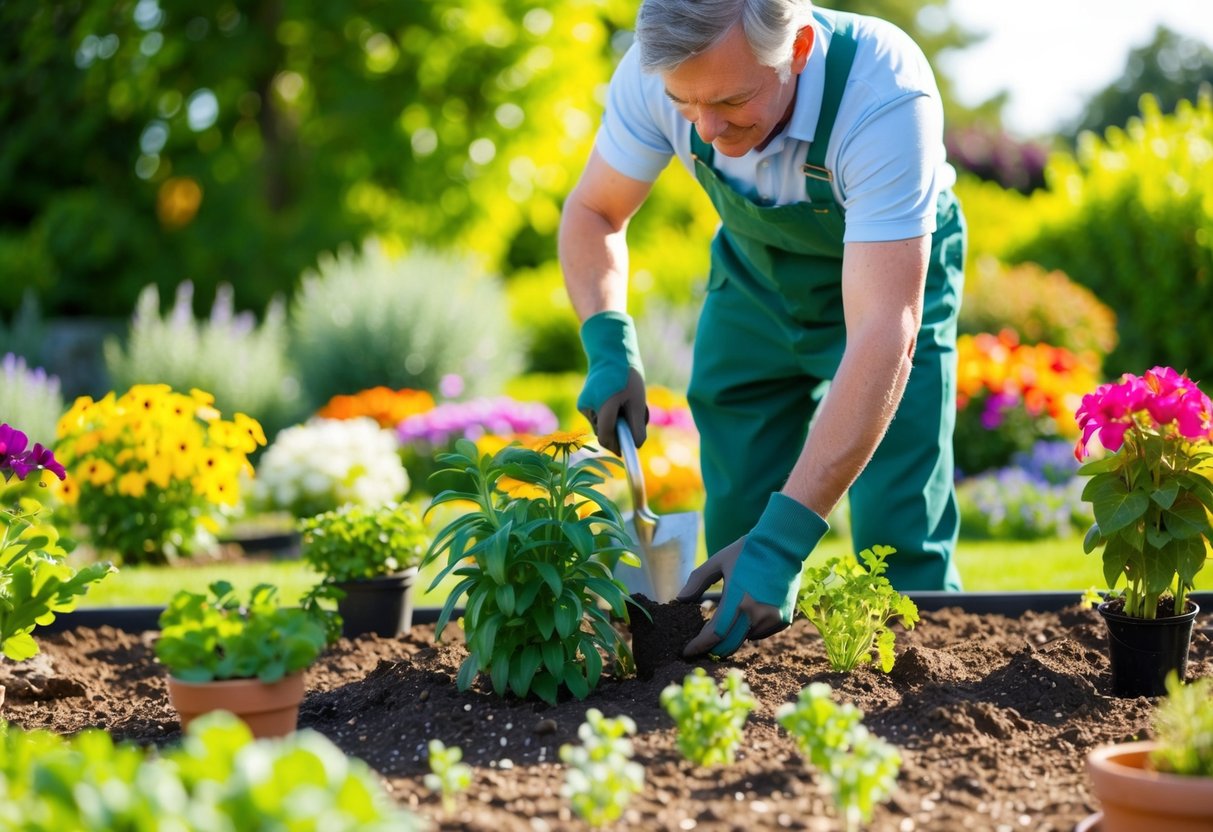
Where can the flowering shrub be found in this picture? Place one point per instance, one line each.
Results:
(1009, 395)
(386, 406)
(326, 463)
(1150, 499)
(154, 472)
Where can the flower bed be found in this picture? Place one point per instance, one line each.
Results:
(993, 716)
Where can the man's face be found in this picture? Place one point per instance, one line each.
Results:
(734, 101)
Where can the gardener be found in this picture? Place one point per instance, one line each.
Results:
(818, 137)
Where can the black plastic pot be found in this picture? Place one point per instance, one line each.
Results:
(1144, 650)
(382, 605)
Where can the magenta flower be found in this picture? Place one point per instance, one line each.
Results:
(1109, 412)
(15, 459)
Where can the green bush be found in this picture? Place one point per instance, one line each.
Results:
(1130, 215)
(541, 310)
(354, 543)
(996, 219)
(1041, 307)
(243, 364)
(30, 398)
(26, 335)
(370, 319)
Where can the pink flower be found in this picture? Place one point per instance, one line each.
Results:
(1109, 412)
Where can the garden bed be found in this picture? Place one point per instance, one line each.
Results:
(993, 716)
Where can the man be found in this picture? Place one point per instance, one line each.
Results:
(818, 136)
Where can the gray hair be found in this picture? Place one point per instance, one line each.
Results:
(671, 31)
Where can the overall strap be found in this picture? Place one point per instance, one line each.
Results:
(701, 150)
(838, 69)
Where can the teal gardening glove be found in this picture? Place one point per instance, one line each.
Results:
(761, 574)
(614, 383)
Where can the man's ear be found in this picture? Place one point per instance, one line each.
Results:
(802, 47)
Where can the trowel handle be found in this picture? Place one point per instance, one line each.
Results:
(631, 463)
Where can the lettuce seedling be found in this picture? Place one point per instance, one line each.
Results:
(601, 777)
(857, 768)
(447, 774)
(851, 606)
(710, 722)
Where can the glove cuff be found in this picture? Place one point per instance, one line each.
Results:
(789, 528)
(611, 335)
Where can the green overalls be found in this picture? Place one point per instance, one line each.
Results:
(771, 335)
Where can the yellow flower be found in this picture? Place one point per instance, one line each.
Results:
(132, 484)
(87, 443)
(146, 398)
(519, 490)
(97, 472)
(564, 441)
(67, 490)
(160, 471)
(253, 435)
(218, 490)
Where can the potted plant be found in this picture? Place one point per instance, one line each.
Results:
(370, 555)
(1165, 783)
(1151, 505)
(247, 658)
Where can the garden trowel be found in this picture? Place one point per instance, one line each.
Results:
(666, 544)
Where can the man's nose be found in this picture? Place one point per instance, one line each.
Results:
(709, 124)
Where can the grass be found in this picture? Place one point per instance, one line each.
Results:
(985, 566)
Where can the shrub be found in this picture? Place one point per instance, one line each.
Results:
(357, 542)
(996, 219)
(326, 463)
(547, 325)
(365, 320)
(1040, 307)
(994, 156)
(30, 398)
(241, 362)
(1130, 215)
(155, 473)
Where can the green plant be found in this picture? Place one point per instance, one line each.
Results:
(537, 536)
(371, 319)
(851, 605)
(710, 722)
(1183, 728)
(210, 638)
(447, 774)
(1150, 496)
(857, 768)
(601, 777)
(31, 398)
(356, 542)
(217, 778)
(243, 363)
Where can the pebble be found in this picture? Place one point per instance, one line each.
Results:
(545, 726)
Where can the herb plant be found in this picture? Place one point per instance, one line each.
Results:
(710, 722)
(851, 606)
(601, 777)
(357, 542)
(447, 774)
(1183, 727)
(1151, 502)
(537, 537)
(209, 638)
(857, 768)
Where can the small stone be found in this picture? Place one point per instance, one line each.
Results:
(545, 726)
(424, 695)
(686, 823)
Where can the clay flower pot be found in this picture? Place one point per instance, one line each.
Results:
(1135, 798)
(269, 710)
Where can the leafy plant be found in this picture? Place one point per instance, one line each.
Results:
(30, 397)
(154, 472)
(324, 464)
(242, 362)
(710, 722)
(1183, 727)
(601, 777)
(357, 542)
(1150, 499)
(851, 605)
(209, 638)
(537, 535)
(858, 769)
(36, 582)
(447, 774)
(372, 319)
(217, 778)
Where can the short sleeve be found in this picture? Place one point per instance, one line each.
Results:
(630, 138)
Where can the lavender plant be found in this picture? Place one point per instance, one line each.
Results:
(601, 776)
(447, 774)
(710, 722)
(30, 397)
(858, 769)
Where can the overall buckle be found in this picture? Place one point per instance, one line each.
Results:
(817, 172)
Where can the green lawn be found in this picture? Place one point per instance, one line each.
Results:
(985, 566)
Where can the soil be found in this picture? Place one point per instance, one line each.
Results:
(993, 717)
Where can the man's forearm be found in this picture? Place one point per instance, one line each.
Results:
(594, 260)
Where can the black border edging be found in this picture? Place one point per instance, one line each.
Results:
(140, 619)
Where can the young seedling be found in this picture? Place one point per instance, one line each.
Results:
(601, 777)
(1183, 723)
(851, 606)
(447, 774)
(710, 722)
(857, 768)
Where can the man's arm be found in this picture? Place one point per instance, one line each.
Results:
(593, 237)
(882, 292)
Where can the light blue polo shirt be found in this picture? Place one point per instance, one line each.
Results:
(886, 149)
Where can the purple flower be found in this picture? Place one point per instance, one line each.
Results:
(43, 458)
(450, 386)
(501, 416)
(15, 459)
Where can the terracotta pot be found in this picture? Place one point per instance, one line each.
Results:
(1135, 799)
(1143, 651)
(381, 605)
(269, 710)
